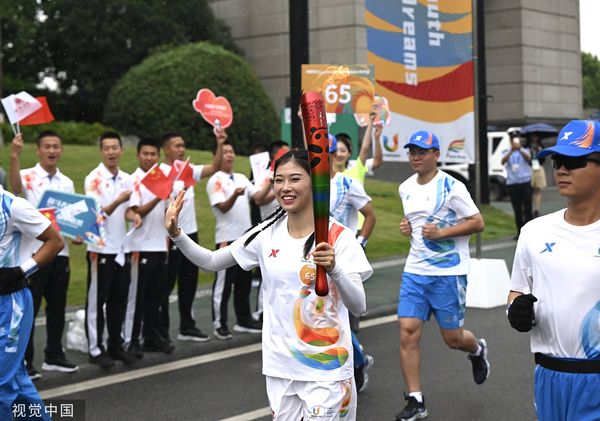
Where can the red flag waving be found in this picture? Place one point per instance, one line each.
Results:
(282, 151)
(185, 172)
(157, 182)
(41, 116)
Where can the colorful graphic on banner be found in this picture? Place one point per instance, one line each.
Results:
(76, 215)
(346, 89)
(422, 51)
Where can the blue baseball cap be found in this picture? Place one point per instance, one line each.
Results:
(424, 139)
(332, 143)
(577, 138)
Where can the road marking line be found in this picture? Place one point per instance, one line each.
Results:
(148, 371)
(175, 365)
(253, 415)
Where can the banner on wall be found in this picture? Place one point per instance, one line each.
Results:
(422, 51)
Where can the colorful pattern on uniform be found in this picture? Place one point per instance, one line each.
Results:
(315, 130)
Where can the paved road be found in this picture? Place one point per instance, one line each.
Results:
(234, 388)
(221, 379)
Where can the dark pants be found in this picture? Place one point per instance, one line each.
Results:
(521, 196)
(50, 282)
(108, 283)
(146, 287)
(241, 281)
(179, 269)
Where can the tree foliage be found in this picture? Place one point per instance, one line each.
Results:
(590, 69)
(156, 96)
(87, 46)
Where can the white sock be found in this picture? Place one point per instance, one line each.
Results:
(417, 395)
(478, 352)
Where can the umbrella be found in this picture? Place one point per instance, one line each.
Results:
(541, 129)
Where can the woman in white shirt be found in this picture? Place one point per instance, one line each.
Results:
(307, 350)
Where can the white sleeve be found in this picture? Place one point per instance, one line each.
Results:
(27, 219)
(197, 172)
(247, 256)
(521, 279)
(461, 201)
(206, 259)
(215, 192)
(369, 166)
(357, 195)
(351, 290)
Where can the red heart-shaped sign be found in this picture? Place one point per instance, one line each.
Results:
(215, 110)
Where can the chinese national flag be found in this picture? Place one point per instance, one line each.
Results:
(157, 182)
(184, 172)
(50, 213)
(41, 116)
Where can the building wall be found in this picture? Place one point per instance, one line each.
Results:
(532, 50)
(533, 61)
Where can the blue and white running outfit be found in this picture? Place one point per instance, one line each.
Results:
(559, 264)
(19, 221)
(435, 274)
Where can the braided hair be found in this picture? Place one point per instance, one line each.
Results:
(300, 156)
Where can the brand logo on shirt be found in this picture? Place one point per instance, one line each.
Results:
(548, 248)
(598, 252)
(273, 253)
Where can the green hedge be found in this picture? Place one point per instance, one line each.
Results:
(72, 133)
(156, 97)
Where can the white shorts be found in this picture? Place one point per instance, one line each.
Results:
(323, 401)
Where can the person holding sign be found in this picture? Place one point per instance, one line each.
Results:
(439, 217)
(360, 167)
(52, 280)
(229, 194)
(306, 345)
(21, 223)
(179, 269)
(108, 277)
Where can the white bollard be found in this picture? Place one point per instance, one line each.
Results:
(488, 283)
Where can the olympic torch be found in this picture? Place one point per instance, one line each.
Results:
(315, 130)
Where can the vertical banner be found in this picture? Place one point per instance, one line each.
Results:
(422, 51)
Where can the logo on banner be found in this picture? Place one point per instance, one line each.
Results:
(456, 149)
(391, 144)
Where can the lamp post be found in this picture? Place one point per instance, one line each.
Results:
(298, 35)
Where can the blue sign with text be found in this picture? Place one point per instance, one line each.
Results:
(77, 215)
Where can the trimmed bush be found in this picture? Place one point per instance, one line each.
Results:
(71, 132)
(156, 97)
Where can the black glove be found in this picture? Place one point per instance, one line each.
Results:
(520, 313)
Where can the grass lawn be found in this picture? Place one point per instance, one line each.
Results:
(386, 241)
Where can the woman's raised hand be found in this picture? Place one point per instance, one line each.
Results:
(172, 214)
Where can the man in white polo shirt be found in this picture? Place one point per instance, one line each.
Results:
(108, 279)
(555, 282)
(148, 260)
(229, 194)
(52, 280)
(179, 268)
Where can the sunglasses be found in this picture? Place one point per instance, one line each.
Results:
(570, 162)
